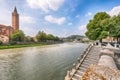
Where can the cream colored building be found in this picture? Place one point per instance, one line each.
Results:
(110, 39)
(4, 38)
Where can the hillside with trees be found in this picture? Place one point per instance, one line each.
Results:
(75, 37)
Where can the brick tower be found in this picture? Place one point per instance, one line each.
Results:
(15, 19)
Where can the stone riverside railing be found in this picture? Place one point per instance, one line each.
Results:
(100, 63)
(71, 73)
(106, 68)
(107, 59)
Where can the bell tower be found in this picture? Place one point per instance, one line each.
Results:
(15, 19)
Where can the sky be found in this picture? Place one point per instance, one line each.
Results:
(58, 17)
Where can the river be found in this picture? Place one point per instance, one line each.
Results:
(39, 63)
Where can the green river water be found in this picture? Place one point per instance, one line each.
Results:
(39, 63)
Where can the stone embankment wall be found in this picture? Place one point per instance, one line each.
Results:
(100, 72)
(106, 68)
(97, 63)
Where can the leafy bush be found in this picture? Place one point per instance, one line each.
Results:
(1, 42)
(13, 43)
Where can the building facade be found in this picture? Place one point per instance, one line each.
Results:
(6, 31)
(111, 39)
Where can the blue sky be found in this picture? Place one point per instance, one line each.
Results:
(59, 17)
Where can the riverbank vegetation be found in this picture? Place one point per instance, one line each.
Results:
(41, 36)
(19, 39)
(103, 25)
(19, 46)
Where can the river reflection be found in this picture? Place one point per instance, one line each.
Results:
(39, 63)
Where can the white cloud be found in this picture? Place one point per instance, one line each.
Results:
(27, 19)
(5, 18)
(45, 5)
(52, 19)
(29, 30)
(82, 29)
(114, 11)
(48, 30)
(5, 14)
(88, 14)
(70, 24)
(0, 0)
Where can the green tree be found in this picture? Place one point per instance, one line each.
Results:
(50, 37)
(18, 36)
(57, 38)
(103, 34)
(29, 39)
(94, 27)
(115, 32)
(41, 36)
(1, 42)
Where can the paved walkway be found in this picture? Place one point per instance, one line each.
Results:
(91, 58)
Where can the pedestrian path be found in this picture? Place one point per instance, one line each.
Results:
(91, 56)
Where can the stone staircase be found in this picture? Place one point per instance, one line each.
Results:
(91, 58)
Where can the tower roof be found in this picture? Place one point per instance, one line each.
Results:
(15, 10)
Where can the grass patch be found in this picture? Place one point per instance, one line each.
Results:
(20, 46)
